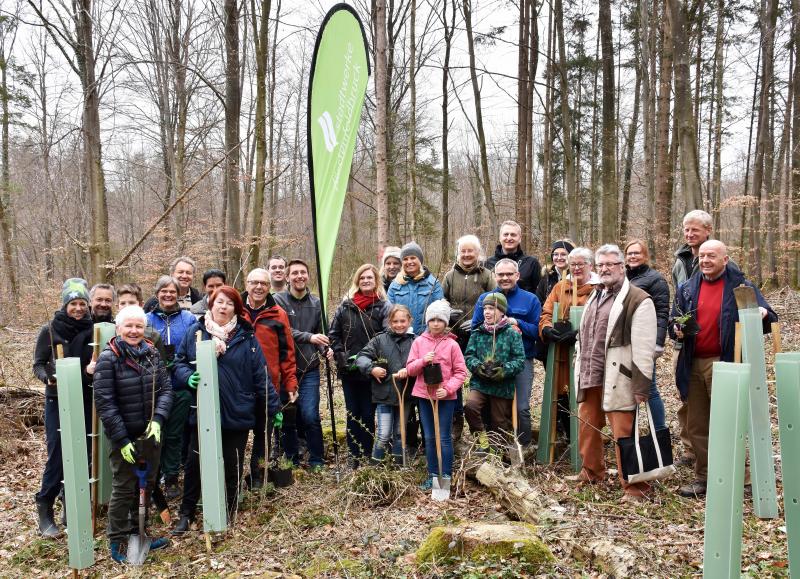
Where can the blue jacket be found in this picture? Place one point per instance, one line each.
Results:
(686, 301)
(524, 307)
(172, 327)
(244, 382)
(416, 295)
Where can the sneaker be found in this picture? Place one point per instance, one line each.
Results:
(427, 485)
(694, 490)
(116, 554)
(159, 543)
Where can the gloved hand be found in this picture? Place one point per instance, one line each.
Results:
(497, 374)
(194, 380)
(341, 360)
(568, 338)
(277, 420)
(658, 352)
(128, 453)
(153, 431)
(466, 326)
(550, 334)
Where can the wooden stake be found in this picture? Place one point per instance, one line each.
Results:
(776, 337)
(737, 344)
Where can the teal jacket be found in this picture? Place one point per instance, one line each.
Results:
(508, 349)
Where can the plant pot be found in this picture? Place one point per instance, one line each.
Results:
(690, 327)
(384, 365)
(432, 374)
(280, 477)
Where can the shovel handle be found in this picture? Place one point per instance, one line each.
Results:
(776, 337)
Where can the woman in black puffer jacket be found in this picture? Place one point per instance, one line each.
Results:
(133, 396)
(361, 316)
(640, 274)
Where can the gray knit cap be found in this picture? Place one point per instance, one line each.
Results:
(438, 310)
(411, 248)
(75, 288)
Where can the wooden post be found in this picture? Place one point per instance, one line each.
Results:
(722, 555)
(776, 337)
(737, 343)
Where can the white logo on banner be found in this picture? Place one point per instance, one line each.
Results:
(326, 122)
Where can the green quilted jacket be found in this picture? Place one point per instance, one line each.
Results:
(507, 349)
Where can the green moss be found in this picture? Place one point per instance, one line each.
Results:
(315, 519)
(321, 566)
(436, 548)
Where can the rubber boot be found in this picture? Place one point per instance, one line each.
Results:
(47, 525)
(116, 554)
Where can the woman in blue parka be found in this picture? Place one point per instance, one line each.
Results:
(415, 287)
(243, 385)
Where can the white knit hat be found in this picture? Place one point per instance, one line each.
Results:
(438, 310)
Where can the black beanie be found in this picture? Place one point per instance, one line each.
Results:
(561, 244)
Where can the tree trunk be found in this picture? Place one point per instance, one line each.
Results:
(594, 230)
(412, 125)
(233, 238)
(629, 145)
(547, 145)
(5, 179)
(522, 116)
(663, 159)
(609, 233)
(687, 134)
(719, 112)
(647, 38)
(381, 103)
(261, 48)
(448, 37)
(795, 163)
(566, 126)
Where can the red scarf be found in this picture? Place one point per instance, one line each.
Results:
(364, 301)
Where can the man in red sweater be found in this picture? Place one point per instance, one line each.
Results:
(273, 332)
(708, 295)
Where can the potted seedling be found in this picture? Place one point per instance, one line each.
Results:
(382, 363)
(686, 323)
(282, 473)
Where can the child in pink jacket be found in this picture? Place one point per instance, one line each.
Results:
(437, 345)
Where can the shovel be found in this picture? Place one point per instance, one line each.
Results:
(400, 396)
(441, 486)
(139, 545)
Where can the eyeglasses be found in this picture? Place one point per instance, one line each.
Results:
(257, 282)
(512, 274)
(578, 265)
(633, 253)
(608, 265)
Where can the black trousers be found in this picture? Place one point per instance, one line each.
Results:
(125, 489)
(233, 444)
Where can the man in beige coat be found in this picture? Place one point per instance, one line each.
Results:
(614, 365)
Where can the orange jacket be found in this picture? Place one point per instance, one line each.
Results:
(274, 334)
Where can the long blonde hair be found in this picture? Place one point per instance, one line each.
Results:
(378, 284)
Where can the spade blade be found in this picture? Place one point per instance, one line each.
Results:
(745, 297)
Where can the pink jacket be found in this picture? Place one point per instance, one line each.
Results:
(448, 354)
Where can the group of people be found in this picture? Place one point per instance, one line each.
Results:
(399, 338)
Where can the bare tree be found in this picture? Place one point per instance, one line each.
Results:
(609, 231)
(381, 98)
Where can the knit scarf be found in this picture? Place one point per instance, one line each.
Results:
(492, 328)
(220, 334)
(127, 350)
(65, 328)
(363, 301)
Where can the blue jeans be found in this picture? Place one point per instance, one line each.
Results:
(308, 415)
(656, 405)
(360, 416)
(387, 432)
(524, 385)
(446, 408)
(53, 469)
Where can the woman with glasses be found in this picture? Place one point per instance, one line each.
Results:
(556, 270)
(640, 274)
(558, 332)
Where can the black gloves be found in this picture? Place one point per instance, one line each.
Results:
(550, 334)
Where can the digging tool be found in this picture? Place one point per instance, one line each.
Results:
(139, 545)
(440, 490)
(516, 459)
(400, 396)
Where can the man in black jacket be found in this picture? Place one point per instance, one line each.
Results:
(530, 271)
(305, 317)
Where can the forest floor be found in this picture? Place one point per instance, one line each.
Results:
(372, 525)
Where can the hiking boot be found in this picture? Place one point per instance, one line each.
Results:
(159, 543)
(171, 489)
(183, 525)
(116, 554)
(47, 524)
(428, 484)
(696, 489)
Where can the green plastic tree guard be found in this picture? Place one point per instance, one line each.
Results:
(575, 315)
(212, 473)
(75, 460)
(107, 331)
(546, 423)
(787, 377)
(725, 491)
(765, 496)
